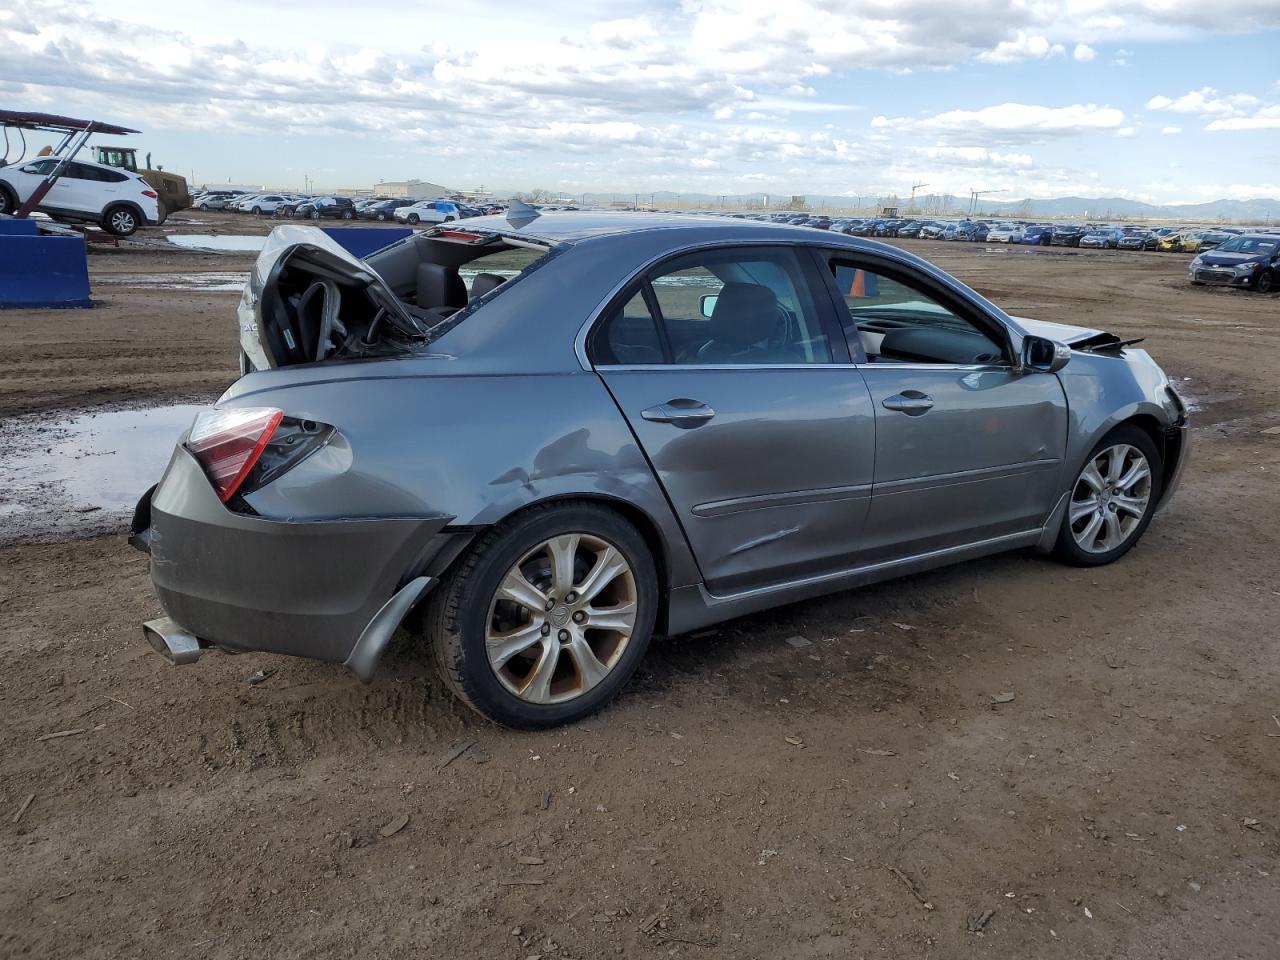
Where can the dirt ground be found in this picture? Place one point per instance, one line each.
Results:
(862, 796)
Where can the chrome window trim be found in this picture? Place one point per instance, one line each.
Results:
(958, 367)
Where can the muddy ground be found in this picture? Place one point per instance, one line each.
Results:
(862, 796)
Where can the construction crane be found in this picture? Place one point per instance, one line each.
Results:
(914, 188)
(975, 194)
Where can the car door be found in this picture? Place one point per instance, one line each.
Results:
(738, 386)
(31, 175)
(968, 447)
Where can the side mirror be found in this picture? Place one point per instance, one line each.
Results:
(707, 304)
(1042, 355)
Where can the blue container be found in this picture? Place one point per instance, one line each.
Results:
(362, 241)
(39, 271)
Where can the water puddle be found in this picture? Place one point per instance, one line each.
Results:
(228, 242)
(211, 282)
(84, 474)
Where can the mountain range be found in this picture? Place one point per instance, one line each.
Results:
(1255, 211)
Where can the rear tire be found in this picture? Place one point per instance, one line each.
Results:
(8, 202)
(1112, 500)
(563, 668)
(120, 221)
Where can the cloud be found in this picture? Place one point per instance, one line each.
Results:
(1022, 47)
(1008, 122)
(1170, 130)
(1225, 113)
(1206, 102)
(1084, 53)
(1125, 132)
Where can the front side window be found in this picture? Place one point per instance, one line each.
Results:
(896, 321)
(742, 307)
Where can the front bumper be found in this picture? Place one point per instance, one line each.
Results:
(1220, 277)
(1179, 437)
(322, 589)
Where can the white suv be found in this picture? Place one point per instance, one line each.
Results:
(119, 200)
(429, 211)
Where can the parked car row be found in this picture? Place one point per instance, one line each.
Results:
(330, 207)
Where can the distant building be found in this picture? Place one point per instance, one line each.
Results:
(409, 189)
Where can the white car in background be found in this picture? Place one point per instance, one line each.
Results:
(262, 203)
(429, 211)
(1005, 233)
(118, 200)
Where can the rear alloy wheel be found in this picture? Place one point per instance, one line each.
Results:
(315, 214)
(7, 202)
(1264, 282)
(120, 221)
(546, 619)
(1113, 499)
(348, 215)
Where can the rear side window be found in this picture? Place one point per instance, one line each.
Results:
(740, 307)
(630, 336)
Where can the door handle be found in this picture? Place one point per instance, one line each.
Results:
(680, 412)
(911, 402)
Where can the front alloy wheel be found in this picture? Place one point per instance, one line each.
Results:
(547, 616)
(1112, 500)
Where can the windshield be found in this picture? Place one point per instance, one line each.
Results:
(1251, 245)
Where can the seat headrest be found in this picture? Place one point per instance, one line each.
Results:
(439, 286)
(483, 283)
(745, 313)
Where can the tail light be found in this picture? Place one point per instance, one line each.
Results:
(151, 193)
(227, 444)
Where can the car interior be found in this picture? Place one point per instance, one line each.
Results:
(318, 305)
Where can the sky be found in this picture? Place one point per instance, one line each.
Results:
(1159, 100)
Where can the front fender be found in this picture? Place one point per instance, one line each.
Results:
(1105, 390)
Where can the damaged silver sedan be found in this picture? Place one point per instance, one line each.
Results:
(538, 441)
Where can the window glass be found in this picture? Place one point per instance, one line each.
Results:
(739, 307)
(629, 336)
(80, 171)
(41, 167)
(898, 323)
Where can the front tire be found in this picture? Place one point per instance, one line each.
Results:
(413, 218)
(546, 617)
(1112, 500)
(120, 221)
(1264, 282)
(257, 211)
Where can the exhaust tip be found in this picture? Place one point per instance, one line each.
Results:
(171, 641)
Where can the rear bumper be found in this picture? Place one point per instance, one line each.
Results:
(330, 590)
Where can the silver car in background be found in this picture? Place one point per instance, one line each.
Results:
(539, 440)
(1005, 233)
